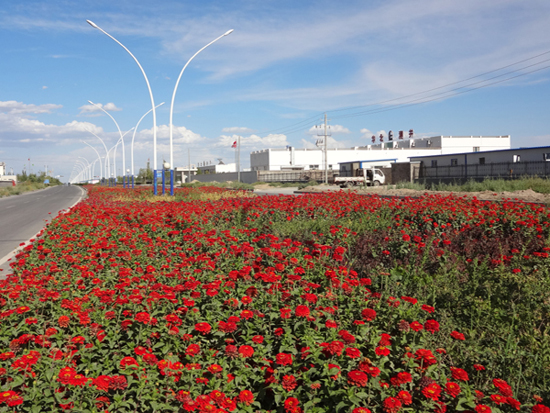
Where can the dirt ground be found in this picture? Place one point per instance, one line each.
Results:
(524, 195)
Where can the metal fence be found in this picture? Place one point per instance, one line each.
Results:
(503, 170)
(298, 176)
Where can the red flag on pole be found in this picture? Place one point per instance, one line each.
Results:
(234, 144)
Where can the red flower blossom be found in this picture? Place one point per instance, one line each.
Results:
(382, 351)
(503, 387)
(431, 326)
(246, 397)
(482, 408)
(458, 336)
(289, 382)
(203, 328)
(405, 397)
(392, 405)
(302, 311)
(292, 405)
(401, 378)
(284, 359)
(428, 308)
(357, 378)
(246, 351)
(416, 326)
(128, 362)
(452, 389)
(118, 382)
(459, 374)
(432, 391)
(368, 314)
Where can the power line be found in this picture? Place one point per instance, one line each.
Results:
(293, 128)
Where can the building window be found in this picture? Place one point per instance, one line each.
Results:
(434, 163)
(482, 161)
(429, 143)
(454, 162)
(517, 158)
(546, 156)
(313, 166)
(330, 167)
(476, 148)
(413, 144)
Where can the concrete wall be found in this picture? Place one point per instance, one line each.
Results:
(248, 177)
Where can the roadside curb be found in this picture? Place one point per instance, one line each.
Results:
(12, 254)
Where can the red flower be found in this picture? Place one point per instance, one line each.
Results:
(63, 321)
(284, 359)
(246, 351)
(302, 311)
(246, 397)
(357, 378)
(118, 382)
(368, 314)
(193, 350)
(405, 397)
(258, 339)
(540, 408)
(285, 313)
(361, 410)
(459, 374)
(246, 314)
(431, 326)
(128, 362)
(203, 328)
(458, 336)
(428, 308)
(432, 391)
(289, 382)
(416, 326)
(292, 405)
(452, 389)
(401, 378)
(353, 352)
(503, 387)
(382, 351)
(392, 405)
(479, 367)
(481, 408)
(513, 402)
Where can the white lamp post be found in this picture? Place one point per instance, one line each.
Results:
(133, 137)
(107, 163)
(121, 137)
(101, 175)
(172, 110)
(95, 26)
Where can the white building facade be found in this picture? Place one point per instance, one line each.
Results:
(380, 155)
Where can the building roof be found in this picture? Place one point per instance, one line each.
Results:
(494, 150)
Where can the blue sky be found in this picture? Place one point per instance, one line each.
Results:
(269, 81)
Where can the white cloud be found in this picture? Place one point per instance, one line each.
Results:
(93, 110)
(254, 142)
(237, 129)
(180, 134)
(14, 107)
(331, 129)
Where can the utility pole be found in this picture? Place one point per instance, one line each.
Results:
(325, 148)
(239, 159)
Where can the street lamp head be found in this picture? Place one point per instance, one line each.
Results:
(226, 33)
(166, 165)
(91, 23)
(91, 103)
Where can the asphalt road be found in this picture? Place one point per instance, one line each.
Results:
(23, 216)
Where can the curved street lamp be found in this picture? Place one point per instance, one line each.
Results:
(121, 137)
(102, 173)
(95, 26)
(107, 163)
(134, 136)
(172, 110)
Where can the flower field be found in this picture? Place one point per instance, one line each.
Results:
(220, 301)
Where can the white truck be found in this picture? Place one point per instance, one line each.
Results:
(361, 176)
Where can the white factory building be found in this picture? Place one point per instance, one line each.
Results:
(381, 155)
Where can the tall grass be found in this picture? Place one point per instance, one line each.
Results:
(19, 189)
(540, 185)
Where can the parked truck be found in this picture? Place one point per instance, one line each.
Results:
(361, 176)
